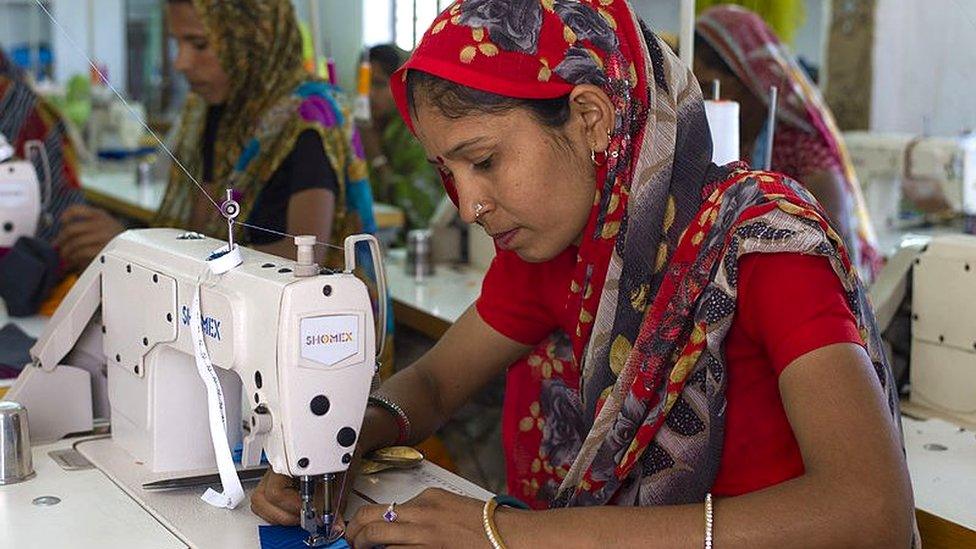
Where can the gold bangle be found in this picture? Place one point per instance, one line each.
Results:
(488, 520)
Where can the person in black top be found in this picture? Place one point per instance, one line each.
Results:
(258, 124)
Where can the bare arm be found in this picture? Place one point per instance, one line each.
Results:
(855, 491)
(830, 189)
(469, 355)
(309, 212)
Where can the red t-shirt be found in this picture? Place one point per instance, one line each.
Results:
(787, 306)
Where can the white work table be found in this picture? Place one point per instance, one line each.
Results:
(92, 512)
(432, 304)
(942, 464)
(98, 511)
(108, 511)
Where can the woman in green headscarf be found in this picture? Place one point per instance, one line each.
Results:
(258, 124)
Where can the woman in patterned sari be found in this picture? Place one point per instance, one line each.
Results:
(256, 123)
(736, 47)
(689, 355)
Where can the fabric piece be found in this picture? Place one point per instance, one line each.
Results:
(757, 57)
(14, 350)
(27, 273)
(290, 537)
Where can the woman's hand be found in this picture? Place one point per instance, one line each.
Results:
(84, 232)
(276, 500)
(435, 518)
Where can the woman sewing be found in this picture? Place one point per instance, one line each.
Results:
(256, 123)
(689, 355)
(736, 47)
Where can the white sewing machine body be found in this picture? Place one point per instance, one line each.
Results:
(941, 273)
(302, 348)
(20, 200)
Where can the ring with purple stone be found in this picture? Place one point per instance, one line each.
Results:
(390, 515)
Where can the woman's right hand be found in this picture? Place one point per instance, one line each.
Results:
(84, 232)
(276, 500)
(276, 497)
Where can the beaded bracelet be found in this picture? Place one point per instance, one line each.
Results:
(488, 518)
(402, 421)
(709, 520)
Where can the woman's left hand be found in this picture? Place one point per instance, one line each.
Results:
(435, 518)
(84, 232)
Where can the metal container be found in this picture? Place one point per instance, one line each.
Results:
(420, 262)
(15, 450)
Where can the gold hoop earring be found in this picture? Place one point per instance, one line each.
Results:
(598, 158)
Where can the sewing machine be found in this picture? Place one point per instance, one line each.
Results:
(299, 346)
(940, 274)
(114, 126)
(21, 201)
(909, 180)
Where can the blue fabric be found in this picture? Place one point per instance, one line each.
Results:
(250, 151)
(238, 453)
(290, 537)
(359, 198)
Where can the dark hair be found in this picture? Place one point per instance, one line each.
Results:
(709, 56)
(387, 56)
(455, 100)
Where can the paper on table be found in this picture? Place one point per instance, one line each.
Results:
(404, 484)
